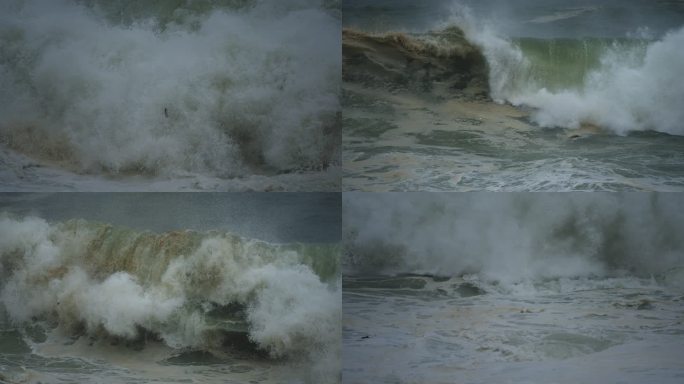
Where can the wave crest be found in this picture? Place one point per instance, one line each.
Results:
(626, 85)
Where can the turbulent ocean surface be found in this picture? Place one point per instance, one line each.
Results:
(169, 95)
(516, 96)
(513, 288)
(215, 289)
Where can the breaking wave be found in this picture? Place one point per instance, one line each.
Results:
(222, 88)
(188, 289)
(626, 84)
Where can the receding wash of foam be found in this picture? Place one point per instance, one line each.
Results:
(170, 89)
(204, 291)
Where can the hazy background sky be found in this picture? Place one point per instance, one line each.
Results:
(275, 217)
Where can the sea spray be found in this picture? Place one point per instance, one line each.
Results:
(514, 237)
(221, 89)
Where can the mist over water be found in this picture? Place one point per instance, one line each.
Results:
(276, 218)
(513, 237)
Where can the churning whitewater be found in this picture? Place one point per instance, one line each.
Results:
(84, 295)
(533, 288)
(531, 95)
(515, 237)
(211, 95)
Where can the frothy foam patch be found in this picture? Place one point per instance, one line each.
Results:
(189, 289)
(225, 93)
(514, 237)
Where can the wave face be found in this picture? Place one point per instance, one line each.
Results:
(515, 237)
(626, 84)
(188, 289)
(442, 63)
(220, 88)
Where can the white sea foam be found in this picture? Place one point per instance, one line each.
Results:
(621, 95)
